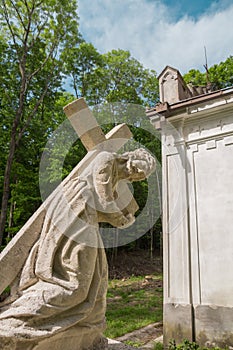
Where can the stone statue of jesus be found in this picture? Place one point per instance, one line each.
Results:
(59, 299)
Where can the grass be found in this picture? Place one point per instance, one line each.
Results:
(135, 344)
(158, 346)
(132, 304)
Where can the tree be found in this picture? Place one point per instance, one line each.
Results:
(81, 64)
(219, 75)
(25, 196)
(195, 77)
(112, 77)
(36, 33)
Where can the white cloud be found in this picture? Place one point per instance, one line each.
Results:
(149, 31)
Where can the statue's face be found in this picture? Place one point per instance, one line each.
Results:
(136, 169)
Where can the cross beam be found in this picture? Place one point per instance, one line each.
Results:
(93, 138)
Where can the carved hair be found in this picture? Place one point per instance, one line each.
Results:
(143, 155)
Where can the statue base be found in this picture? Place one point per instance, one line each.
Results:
(86, 337)
(80, 342)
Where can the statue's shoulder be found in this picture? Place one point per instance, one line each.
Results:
(105, 156)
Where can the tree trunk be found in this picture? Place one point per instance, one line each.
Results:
(151, 243)
(12, 148)
(11, 218)
(6, 185)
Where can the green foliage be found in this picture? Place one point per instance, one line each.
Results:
(187, 345)
(135, 344)
(50, 21)
(25, 195)
(111, 77)
(158, 346)
(81, 65)
(127, 80)
(219, 75)
(34, 37)
(195, 77)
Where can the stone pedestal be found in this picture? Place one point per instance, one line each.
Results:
(88, 341)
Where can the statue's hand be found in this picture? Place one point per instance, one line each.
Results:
(127, 221)
(116, 218)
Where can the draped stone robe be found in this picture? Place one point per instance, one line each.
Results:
(60, 296)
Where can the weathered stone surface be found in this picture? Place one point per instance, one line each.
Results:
(67, 341)
(178, 322)
(214, 325)
(15, 254)
(84, 123)
(59, 298)
(172, 87)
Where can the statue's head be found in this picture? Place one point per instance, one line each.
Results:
(140, 164)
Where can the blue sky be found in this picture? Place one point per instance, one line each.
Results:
(191, 8)
(161, 32)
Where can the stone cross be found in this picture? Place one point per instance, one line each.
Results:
(15, 254)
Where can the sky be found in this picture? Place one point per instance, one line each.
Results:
(161, 32)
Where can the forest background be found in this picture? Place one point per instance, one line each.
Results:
(45, 64)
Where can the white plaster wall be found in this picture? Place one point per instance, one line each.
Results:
(213, 176)
(198, 209)
(176, 263)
